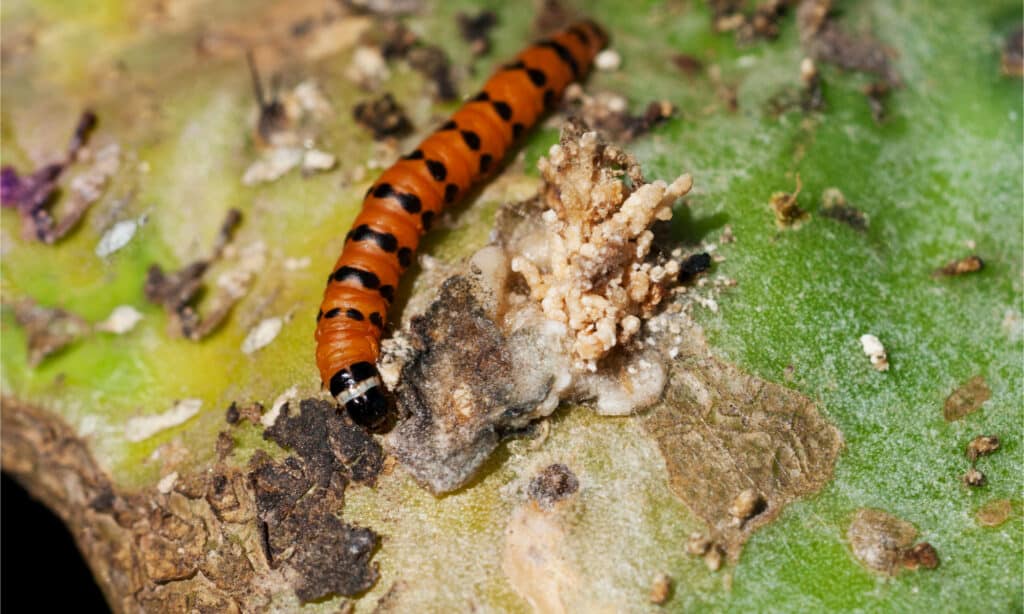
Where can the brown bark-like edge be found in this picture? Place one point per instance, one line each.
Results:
(195, 548)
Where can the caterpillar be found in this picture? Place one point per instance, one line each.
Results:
(401, 205)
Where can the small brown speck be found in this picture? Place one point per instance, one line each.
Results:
(347, 608)
(788, 213)
(1013, 54)
(811, 96)
(661, 589)
(835, 206)
(697, 544)
(48, 330)
(877, 93)
(383, 116)
(747, 504)
(713, 558)
(657, 111)
(982, 445)
(694, 265)
(994, 513)
(974, 478)
(689, 64)
(963, 266)
(921, 555)
(225, 444)
(476, 30)
(555, 483)
(433, 63)
(727, 235)
(232, 415)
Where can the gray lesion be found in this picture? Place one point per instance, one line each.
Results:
(466, 385)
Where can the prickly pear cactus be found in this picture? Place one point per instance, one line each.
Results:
(842, 421)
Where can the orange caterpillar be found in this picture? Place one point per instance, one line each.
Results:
(407, 198)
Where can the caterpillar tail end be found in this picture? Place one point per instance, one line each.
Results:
(361, 392)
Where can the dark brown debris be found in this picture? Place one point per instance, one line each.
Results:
(809, 98)
(360, 455)
(433, 62)
(921, 555)
(966, 399)
(1013, 54)
(177, 292)
(327, 442)
(34, 194)
(331, 556)
(49, 330)
(394, 39)
(974, 478)
(694, 265)
(691, 66)
(277, 486)
(825, 41)
(273, 120)
(982, 445)
(551, 15)
(251, 412)
(608, 113)
(877, 92)
(383, 116)
(761, 24)
(232, 415)
(476, 30)
(788, 213)
(300, 529)
(657, 112)
(834, 206)
(553, 484)
(225, 444)
(962, 266)
(298, 500)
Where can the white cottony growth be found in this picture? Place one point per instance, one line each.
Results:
(121, 320)
(144, 427)
(875, 352)
(270, 417)
(118, 236)
(262, 334)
